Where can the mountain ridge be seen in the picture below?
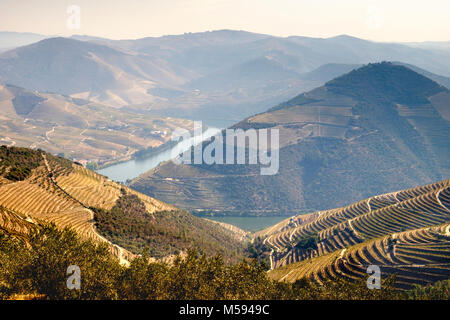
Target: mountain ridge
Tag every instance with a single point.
(135, 71)
(330, 143)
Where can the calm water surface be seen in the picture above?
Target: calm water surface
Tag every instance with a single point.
(133, 168)
(250, 223)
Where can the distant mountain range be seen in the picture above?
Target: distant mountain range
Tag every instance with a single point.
(363, 156)
(10, 40)
(220, 77)
(376, 129)
(434, 45)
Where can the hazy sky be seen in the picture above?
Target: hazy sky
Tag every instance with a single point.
(381, 20)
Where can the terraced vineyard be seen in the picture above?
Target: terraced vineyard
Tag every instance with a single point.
(98, 191)
(353, 137)
(404, 232)
(419, 256)
(40, 198)
(38, 187)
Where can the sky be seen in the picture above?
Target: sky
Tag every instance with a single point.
(380, 20)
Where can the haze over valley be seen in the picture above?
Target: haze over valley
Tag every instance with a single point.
(224, 150)
(379, 128)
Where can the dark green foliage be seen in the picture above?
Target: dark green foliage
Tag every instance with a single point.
(385, 83)
(438, 291)
(59, 165)
(259, 251)
(197, 277)
(39, 267)
(129, 225)
(377, 83)
(92, 165)
(18, 174)
(16, 163)
(308, 243)
(340, 289)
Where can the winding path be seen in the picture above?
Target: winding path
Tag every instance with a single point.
(439, 200)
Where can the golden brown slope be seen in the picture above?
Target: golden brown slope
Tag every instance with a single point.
(376, 129)
(420, 256)
(78, 128)
(40, 187)
(367, 219)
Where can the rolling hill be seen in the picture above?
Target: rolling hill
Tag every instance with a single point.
(10, 40)
(216, 60)
(207, 52)
(85, 70)
(376, 129)
(445, 81)
(37, 187)
(220, 77)
(406, 233)
(77, 128)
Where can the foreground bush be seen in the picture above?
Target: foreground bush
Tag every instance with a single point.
(38, 266)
